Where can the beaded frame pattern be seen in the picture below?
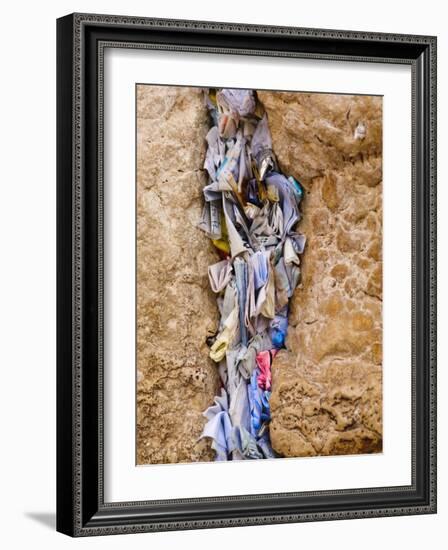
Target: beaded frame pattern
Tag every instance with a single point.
(79, 21)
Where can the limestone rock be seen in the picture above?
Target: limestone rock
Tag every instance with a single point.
(176, 381)
(327, 385)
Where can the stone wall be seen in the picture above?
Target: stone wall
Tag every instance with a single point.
(176, 381)
(327, 387)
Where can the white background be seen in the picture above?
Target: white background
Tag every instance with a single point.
(123, 480)
(27, 233)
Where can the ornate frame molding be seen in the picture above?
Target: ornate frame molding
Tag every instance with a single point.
(82, 39)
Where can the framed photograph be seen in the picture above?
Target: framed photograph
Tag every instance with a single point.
(246, 274)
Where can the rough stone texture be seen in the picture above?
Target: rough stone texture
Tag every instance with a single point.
(327, 387)
(176, 381)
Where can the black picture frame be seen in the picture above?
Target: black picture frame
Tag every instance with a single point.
(81, 39)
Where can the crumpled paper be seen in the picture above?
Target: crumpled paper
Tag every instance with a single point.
(251, 212)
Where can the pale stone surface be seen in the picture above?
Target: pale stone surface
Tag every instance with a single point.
(327, 386)
(176, 381)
